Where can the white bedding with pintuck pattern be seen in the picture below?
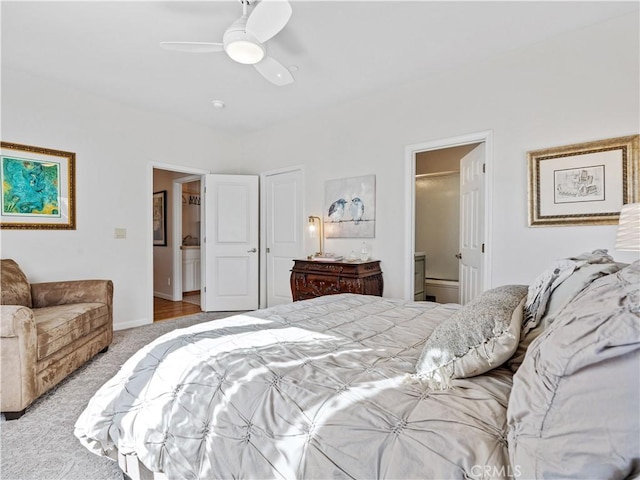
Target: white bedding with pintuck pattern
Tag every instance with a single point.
(313, 389)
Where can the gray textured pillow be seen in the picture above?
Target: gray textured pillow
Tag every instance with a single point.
(477, 338)
(573, 410)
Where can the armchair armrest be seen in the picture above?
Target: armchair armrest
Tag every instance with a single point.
(18, 347)
(16, 321)
(50, 294)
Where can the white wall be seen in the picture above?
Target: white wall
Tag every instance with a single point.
(577, 87)
(574, 88)
(114, 148)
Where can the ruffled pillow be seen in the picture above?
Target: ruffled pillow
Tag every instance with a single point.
(561, 286)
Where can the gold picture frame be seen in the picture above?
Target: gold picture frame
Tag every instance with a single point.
(38, 188)
(584, 183)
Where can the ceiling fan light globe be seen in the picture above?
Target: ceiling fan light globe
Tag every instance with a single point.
(245, 51)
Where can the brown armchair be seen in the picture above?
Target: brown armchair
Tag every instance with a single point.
(47, 330)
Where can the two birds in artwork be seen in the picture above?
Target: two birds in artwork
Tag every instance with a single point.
(356, 210)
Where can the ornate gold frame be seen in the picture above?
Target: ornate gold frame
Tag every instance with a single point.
(67, 161)
(627, 168)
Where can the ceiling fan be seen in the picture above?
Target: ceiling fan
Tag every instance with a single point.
(244, 40)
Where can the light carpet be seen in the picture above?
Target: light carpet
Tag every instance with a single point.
(41, 445)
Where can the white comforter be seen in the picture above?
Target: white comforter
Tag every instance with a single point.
(313, 389)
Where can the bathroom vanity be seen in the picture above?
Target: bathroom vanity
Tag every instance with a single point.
(190, 268)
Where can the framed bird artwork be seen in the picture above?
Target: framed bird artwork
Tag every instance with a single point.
(350, 207)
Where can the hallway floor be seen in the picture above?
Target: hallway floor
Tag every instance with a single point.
(166, 309)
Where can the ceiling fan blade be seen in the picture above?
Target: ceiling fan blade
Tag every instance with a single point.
(192, 47)
(274, 71)
(268, 18)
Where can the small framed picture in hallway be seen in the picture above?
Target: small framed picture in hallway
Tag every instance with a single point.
(160, 219)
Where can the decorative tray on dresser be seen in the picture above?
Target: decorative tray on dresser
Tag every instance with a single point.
(314, 278)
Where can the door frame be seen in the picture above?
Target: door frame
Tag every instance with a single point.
(149, 222)
(263, 224)
(177, 233)
(486, 139)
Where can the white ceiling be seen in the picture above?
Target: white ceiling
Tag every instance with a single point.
(343, 49)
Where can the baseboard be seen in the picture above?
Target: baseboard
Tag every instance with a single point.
(163, 295)
(132, 324)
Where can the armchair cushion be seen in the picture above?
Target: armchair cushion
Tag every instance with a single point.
(49, 294)
(59, 326)
(15, 288)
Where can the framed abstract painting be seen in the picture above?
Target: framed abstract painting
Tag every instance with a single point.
(38, 188)
(583, 184)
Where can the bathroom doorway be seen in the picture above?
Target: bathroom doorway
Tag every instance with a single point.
(449, 216)
(437, 203)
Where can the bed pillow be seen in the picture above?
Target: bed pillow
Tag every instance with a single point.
(540, 290)
(478, 337)
(561, 296)
(573, 409)
(572, 286)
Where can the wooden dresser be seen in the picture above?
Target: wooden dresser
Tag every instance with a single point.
(310, 279)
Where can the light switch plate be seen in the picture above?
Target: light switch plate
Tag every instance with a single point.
(120, 233)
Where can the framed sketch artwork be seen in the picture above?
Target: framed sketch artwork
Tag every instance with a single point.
(350, 207)
(583, 184)
(38, 188)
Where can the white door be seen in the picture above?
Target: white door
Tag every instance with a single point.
(471, 224)
(283, 232)
(230, 242)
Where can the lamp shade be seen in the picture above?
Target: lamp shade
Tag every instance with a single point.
(628, 237)
(312, 229)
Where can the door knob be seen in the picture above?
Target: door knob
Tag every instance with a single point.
(458, 256)
(253, 250)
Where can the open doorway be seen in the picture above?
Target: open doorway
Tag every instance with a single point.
(229, 218)
(437, 203)
(168, 262)
(447, 225)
